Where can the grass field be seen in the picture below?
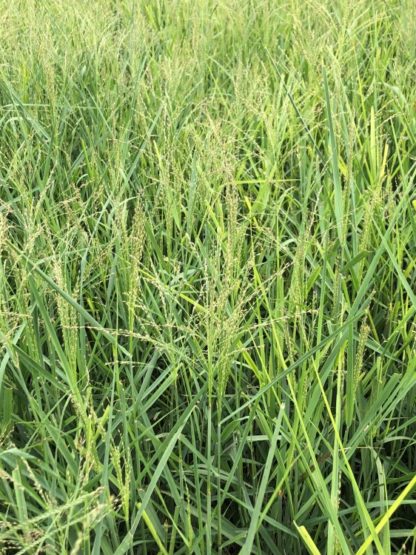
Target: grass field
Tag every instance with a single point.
(207, 277)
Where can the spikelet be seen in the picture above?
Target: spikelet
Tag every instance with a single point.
(337, 291)
(4, 320)
(67, 317)
(226, 344)
(3, 230)
(38, 486)
(228, 322)
(231, 256)
(135, 244)
(123, 478)
(364, 333)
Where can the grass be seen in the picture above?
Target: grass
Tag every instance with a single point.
(208, 277)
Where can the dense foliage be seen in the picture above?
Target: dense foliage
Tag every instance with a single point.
(207, 278)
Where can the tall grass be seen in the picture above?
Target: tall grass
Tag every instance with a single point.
(207, 277)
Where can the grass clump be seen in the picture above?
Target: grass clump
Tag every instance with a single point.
(207, 278)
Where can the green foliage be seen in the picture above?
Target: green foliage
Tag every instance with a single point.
(207, 277)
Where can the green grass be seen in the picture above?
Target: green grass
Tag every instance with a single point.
(207, 277)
